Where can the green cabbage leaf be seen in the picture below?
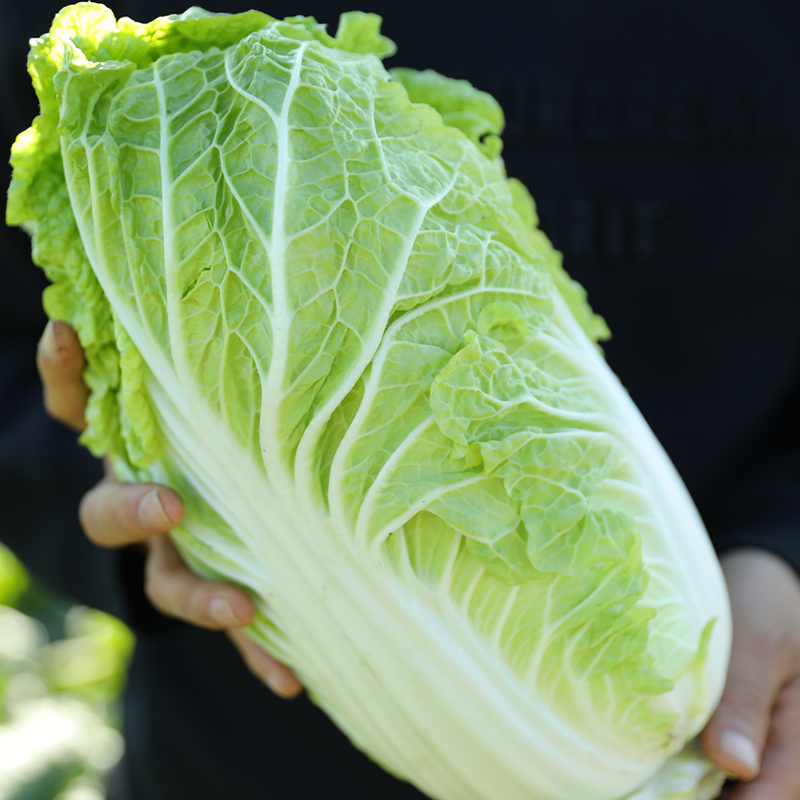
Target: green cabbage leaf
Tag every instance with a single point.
(313, 302)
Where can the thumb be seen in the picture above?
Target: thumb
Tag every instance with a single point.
(735, 735)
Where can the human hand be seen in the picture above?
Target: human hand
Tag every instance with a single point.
(755, 732)
(115, 514)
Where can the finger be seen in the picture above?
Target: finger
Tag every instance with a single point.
(60, 361)
(735, 735)
(177, 592)
(779, 778)
(278, 677)
(115, 514)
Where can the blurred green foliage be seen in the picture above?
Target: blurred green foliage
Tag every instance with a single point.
(13, 578)
(62, 668)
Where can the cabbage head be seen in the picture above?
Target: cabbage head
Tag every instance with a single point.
(313, 303)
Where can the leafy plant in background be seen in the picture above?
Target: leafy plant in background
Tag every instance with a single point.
(312, 301)
(61, 672)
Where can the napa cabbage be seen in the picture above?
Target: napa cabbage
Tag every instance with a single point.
(312, 301)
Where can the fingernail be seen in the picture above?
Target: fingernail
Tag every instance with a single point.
(151, 511)
(741, 749)
(57, 328)
(280, 683)
(49, 345)
(220, 610)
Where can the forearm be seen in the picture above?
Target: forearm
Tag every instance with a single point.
(763, 509)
